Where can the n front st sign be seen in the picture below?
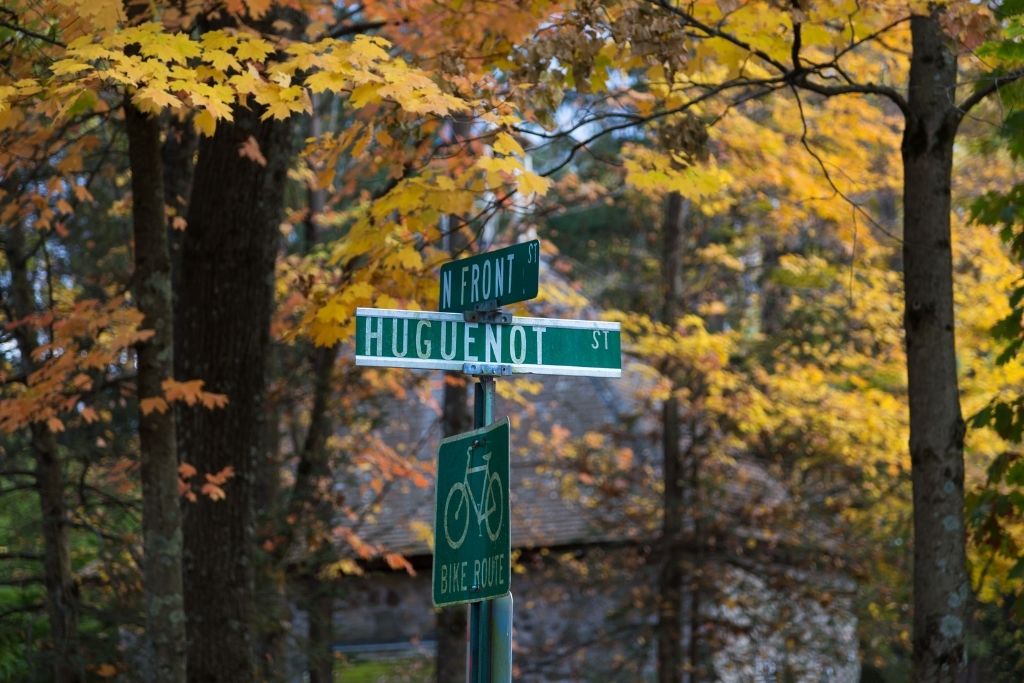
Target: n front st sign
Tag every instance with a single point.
(490, 280)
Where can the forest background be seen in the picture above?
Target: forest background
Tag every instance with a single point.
(790, 207)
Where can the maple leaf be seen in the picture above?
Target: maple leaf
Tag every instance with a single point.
(251, 150)
(397, 561)
(343, 567)
(106, 670)
(253, 48)
(186, 471)
(204, 123)
(506, 144)
(191, 392)
(152, 99)
(213, 492)
(148, 405)
(529, 183)
(213, 488)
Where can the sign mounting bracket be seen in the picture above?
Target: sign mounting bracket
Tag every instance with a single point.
(487, 369)
(487, 312)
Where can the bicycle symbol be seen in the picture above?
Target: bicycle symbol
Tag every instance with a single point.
(489, 503)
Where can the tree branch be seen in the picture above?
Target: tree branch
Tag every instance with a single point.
(797, 75)
(992, 86)
(828, 176)
(28, 32)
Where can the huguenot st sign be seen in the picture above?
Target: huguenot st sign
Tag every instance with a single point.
(446, 341)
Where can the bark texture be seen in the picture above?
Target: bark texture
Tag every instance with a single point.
(222, 336)
(941, 588)
(161, 513)
(62, 600)
(177, 155)
(670, 581)
(450, 664)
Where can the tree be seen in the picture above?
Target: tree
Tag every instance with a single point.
(161, 518)
(814, 58)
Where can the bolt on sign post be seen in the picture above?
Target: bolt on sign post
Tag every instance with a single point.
(472, 514)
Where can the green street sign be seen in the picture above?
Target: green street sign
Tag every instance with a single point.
(444, 341)
(498, 277)
(472, 543)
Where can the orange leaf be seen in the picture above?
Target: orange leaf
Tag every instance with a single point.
(148, 405)
(396, 561)
(251, 150)
(221, 477)
(186, 471)
(106, 670)
(55, 424)
(213, 492)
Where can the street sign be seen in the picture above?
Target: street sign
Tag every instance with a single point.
(445, 341)
(472, 543)
(497, 278)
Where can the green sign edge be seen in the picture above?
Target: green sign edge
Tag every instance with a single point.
(433, 558)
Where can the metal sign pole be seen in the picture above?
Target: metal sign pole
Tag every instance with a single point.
(480, 612)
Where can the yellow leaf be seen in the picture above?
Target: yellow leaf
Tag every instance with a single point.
(506, 144)
(365, 94)
(204, 123)
(153, 99)
(529, 182)
(253, 48)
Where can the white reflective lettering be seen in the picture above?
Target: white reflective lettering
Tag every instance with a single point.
(520, 355)
(378, 335)
(446, 354)
(467, 339)
(422, 345)
(486, 285)
(540, 344)
(493, 344)
(510, 258)
(446, 289)
(395, 336)
(462, 288)
(499, 279)
(474, 289)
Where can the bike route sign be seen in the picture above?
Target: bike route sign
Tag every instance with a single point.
(472, 543)
(499, 277)
(445, 341)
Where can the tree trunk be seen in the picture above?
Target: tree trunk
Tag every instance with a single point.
(670, 582)
(161, 513)
(450, 664)
(177, 155)
(320, 610)
(223, 337)
(62, 601)
(941, 588)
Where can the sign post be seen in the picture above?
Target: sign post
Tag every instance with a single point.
(472, 514)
